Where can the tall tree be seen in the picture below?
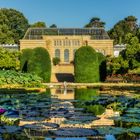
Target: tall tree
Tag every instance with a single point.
(53, 26)
(13, 25)
(39, 24)
(95, 22)
(123, 27)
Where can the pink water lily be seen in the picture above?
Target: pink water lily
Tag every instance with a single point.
(2, 111)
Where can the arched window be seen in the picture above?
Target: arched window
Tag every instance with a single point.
(66, 55)
(57, 53)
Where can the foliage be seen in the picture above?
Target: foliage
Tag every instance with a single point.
(9, 59)
(9, 121)
(53, 26)
(24, 58)
(123, 27)
(56, 61)
(39, 24)
(95, 22)
(128, 60)
(23, 79)
(86, 66)
(13, 26)
(117, 65)
(132, 52)
(40, 63)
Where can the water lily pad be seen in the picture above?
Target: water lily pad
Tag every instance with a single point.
(111, 130)
(135, 130)
(12, 129)
(75, 132)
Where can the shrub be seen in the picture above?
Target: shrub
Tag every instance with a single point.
(9, 59)
(24, 59)
(56, 61)
(86, 65)
(40, 63)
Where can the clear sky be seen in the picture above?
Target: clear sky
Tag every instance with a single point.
(74, 13)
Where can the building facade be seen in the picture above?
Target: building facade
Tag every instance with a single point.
(63, 43)
(118, 48)
(12, 47)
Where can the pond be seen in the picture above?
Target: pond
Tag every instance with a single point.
(73, 114)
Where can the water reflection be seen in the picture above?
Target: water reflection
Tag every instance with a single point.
(71, 113)
(63, 94)
(67, 139)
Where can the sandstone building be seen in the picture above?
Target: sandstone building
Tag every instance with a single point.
(63, 43)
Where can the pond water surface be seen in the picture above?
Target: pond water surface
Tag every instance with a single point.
(70, 114)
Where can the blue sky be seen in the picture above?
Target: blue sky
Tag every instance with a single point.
(74, 13)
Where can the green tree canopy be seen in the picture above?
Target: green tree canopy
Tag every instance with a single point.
(132, 52)
(39, 24)
(123, 27)
(95, 22)
(128, 60)
(117, 65)
(13, 26)
(86, 65)
(53, 26)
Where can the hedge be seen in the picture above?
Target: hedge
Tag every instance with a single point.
(86, 65)
(24, 58)
(40, 63)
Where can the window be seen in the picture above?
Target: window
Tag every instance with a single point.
(69, 43)
(57, 53)
(73, 42)
(66, 55)
(64, 42)
(78, 43)
(60, 43)
(55, 43)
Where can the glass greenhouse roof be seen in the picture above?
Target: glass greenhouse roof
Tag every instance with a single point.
(37, 33)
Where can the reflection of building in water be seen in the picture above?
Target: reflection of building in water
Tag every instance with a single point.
(63, 93)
